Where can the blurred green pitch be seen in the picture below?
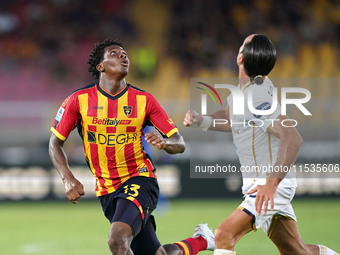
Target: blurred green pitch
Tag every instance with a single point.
(61, 228)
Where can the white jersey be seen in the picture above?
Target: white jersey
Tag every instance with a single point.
(256, 147)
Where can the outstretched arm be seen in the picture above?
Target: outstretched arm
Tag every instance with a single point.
(73, 188)
(172, 145)
(197, 121)
(290, 143)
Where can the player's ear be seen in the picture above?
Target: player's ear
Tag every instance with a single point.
(100, 67)
(240, 59)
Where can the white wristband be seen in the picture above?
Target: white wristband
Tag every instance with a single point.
(223, 252)
(207, 120)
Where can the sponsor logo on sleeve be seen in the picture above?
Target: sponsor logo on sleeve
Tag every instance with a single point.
(63, 105)
(60, 114)
(261, 107)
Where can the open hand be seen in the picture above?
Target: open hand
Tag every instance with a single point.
(264, 194)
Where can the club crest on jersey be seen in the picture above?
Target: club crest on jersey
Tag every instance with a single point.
(127, 110)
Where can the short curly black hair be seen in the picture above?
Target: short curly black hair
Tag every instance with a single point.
(97, 55)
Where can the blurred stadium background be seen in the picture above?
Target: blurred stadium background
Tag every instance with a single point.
(44, 47)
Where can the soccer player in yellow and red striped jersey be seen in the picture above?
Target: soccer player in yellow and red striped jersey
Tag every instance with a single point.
(110, 116)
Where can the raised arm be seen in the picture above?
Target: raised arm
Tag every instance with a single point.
(290, 143)
(73, 188)
(172, 145)
(197, 121)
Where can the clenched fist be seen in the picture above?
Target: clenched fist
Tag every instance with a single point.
(155, 139)
(192, 119)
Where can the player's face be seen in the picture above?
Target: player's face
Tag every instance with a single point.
(115, 60)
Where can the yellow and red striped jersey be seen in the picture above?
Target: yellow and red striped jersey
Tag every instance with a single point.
(111, 127)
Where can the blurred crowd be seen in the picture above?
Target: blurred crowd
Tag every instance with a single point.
(208, 34)
(45, 44)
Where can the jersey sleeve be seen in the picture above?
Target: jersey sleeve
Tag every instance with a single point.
(262, 100)
(159, 118)
(66, 118)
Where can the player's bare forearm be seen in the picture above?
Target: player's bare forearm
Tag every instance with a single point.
(59, 158)
(73, 188)
(290, 143)
(172, 145)
(222, 116)
(219, 120)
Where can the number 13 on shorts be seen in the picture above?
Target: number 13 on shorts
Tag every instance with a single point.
(132, 190)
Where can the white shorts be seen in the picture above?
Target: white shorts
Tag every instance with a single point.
(282, 208)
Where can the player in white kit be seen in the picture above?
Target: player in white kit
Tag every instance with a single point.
(262, 143)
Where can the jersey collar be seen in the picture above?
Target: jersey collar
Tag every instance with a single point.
(115, 96)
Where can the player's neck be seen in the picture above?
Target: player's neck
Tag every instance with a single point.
(243, 77)
(112, 86)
